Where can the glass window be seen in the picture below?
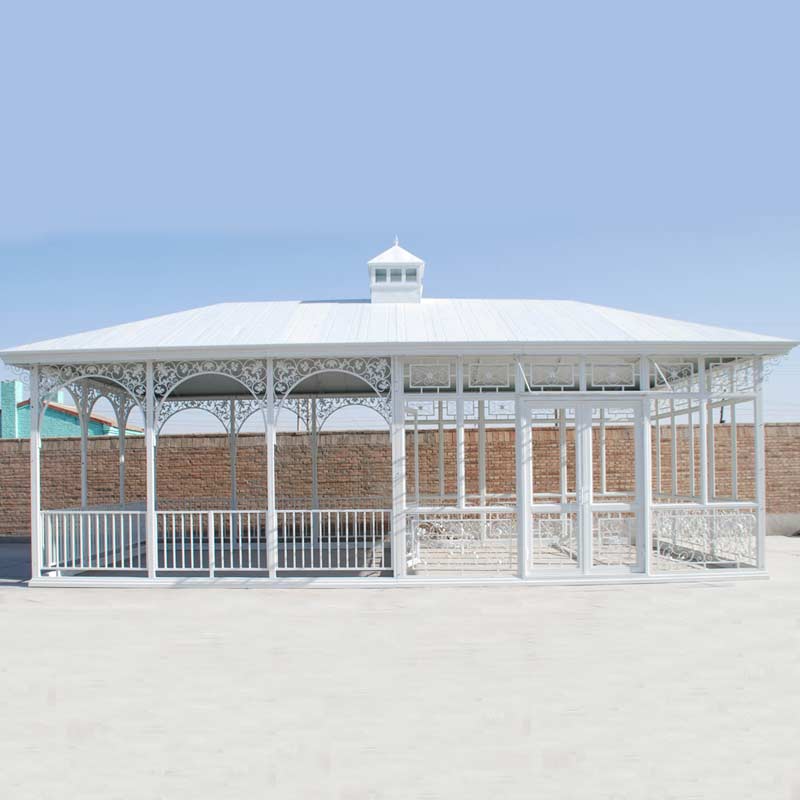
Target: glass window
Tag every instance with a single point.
(396, 275)
(411, 274)
(380, 276)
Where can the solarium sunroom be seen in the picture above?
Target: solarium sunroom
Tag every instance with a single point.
(526, 440)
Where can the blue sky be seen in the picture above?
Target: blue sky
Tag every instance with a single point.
(158, 156)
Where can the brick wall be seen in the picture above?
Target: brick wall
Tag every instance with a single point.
(357, 465)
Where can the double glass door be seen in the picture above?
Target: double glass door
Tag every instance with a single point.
(583, 460)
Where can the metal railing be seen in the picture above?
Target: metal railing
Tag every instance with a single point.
(335, 539)
(93, 540)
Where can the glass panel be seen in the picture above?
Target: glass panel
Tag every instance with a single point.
(614, 537)
(411, 274)
(675, 450)
(613, 455)
(396, 275)
(553, 533)
(615, 529)
(489, 452)
(380, 276)
(431, 453)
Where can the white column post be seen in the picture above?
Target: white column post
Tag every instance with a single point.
(272, 512)
(35, 445)
(122, 412)
(523, 451)
(645, 471)
(440, 405)
(398, 471)
(314, 476)
(83, 418)
(232, 450)
(461, 480)
(482, 450)
(703, 437)
(761, 465)
(416, 457)
(583, 482)
(150, 453)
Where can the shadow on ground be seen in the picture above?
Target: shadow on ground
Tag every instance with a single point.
(15, 562)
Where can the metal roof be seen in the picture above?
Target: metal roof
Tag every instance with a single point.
(430, 326)
(396, 255)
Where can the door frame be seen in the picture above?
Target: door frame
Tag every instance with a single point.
(584, 504)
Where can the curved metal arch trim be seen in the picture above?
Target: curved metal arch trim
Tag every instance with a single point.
(385, 415)
(374, 371)
(163, 398)
(177, 411)
(249, 413)
(47, 397)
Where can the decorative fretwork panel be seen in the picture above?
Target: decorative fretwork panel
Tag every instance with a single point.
(543, 375)
(673, 374)
(221, 409)
(489, 375)
(326, 407)
(462, 543)
(614, 537)
(429, 412)
(704, 537)
(431, 376)
(129, 375)
(616, 376)
(251, 373)
(730, 376)
(553, 541)
(232, 414)
(376, 372)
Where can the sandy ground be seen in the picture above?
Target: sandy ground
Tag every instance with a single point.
(680, 691)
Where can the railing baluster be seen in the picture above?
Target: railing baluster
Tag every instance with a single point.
(191, 540)
(211, 536)
(183, 540)
(249, 544)
(230, 540)
(174, 536)
(80, 538)
(338, 539)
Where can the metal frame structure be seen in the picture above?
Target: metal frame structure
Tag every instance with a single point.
(668, 529)
(609, 418)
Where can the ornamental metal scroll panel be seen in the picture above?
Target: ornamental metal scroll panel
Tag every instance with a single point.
(488, 375)
(500, 410)
(614, 414)
(431, 375)
(553, 541)
(614, 536)
(551, 376)
(129, 375)
(376, 371)
(726, 376)
(428, 411)
(703, 538)
(619, 376)
(244, 408)
(251, 373)
(673, 375)
(221, 409)
(462, 543)
(328, 406)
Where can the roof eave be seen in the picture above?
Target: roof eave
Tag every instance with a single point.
(757, 348)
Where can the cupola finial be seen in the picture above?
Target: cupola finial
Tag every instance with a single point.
(396, 240)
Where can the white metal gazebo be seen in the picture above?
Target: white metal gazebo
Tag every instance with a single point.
(635, 443)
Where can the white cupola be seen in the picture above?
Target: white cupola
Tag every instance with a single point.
(395, 276)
